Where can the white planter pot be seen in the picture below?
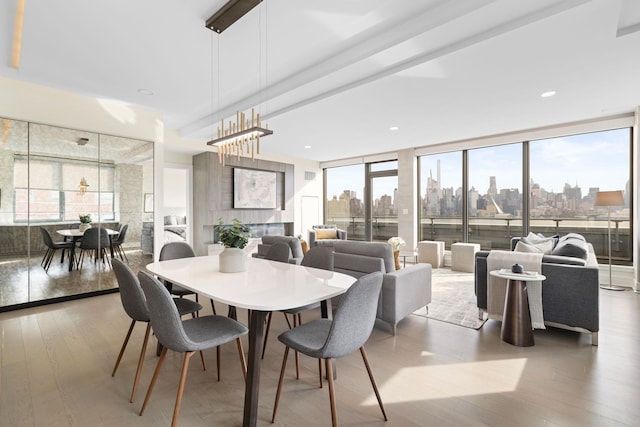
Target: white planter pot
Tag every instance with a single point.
(233, 260)
(84, 227)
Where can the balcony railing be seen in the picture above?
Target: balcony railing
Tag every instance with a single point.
(496, 233)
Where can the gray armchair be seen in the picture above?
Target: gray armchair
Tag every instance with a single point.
(325, 235)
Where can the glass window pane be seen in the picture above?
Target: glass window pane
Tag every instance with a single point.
(495, 195)
(384, 221)
(345, 194)
(566, 174)
(384, 166)
(441, 198)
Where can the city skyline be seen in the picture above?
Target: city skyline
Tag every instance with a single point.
(586, 160)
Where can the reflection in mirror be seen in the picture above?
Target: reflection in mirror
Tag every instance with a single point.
(55, 183)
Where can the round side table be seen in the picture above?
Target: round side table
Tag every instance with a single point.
(516, 318)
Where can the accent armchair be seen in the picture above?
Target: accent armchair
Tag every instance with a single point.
(325, 235)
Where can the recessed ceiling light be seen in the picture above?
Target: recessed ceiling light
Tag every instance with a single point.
(145, 92)
(393, 128)
(548, 94)
(307, 146)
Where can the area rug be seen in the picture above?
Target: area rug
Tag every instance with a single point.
(453, 299)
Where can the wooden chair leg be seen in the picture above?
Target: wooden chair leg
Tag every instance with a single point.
(204, 365)
(163, 354)
(243, 362)
(373, 381)
(284, 365)
(140, 362)
(320, 371)
(124, 345)
(183, 378)
(332, 396)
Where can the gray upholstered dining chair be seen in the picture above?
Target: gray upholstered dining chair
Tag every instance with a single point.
(279, 251)
(317, 257)
(176, 250)
(135, 305)
(118, 241)
(187, 336)
(52, 247)
(330, 339)
(95, 240)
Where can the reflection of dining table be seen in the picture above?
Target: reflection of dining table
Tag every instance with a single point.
(266, 286)
(75, 235)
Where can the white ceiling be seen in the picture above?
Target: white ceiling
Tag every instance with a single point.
(336, 74)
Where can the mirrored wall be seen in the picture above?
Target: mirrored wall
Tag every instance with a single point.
(50, 179)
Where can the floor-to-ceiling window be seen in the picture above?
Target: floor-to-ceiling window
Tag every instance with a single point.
(495, 195)
(344, 196)
(567, 172)
(381, 217)
(362, 199)
(545, 186)
(440, 199)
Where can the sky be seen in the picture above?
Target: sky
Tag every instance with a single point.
(598, 159)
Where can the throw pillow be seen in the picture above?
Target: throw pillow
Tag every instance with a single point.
(326, 233)
(573, 247)
(534, 237)
(170, 220)
(544, 247)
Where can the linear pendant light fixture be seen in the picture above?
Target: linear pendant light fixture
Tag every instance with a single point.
(17, 35)
(241, 137)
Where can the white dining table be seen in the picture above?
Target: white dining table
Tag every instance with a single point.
(264, 287)
(76, 234)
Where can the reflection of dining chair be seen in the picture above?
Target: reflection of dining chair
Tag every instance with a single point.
(52, 247)
(317, 257)
(117, 243)
(330, 339)
(187, 336)
(279, 251)
(95, 240)
(135, 305)
(176, 250)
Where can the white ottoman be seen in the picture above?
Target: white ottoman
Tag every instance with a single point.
(463, 256)
(431, 252)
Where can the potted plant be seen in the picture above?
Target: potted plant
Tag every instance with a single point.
(234, 237)
(85, 222)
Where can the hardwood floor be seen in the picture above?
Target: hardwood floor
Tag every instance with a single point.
(56, 362)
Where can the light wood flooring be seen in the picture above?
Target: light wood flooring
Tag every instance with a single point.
(56, 362)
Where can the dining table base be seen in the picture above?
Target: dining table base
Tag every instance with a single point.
(256, 335)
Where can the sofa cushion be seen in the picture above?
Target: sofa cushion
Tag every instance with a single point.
(571, 245)
(356, 265)
(326, 233)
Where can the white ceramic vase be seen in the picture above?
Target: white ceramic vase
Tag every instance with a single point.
(233, 260)
(84, 227)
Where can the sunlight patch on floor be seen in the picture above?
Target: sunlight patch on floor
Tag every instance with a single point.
(454, 380)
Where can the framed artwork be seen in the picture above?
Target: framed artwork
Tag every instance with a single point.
(148, 202)
(254, 189)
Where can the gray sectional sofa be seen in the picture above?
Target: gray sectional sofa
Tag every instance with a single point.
(570, 293)
(403, 291)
